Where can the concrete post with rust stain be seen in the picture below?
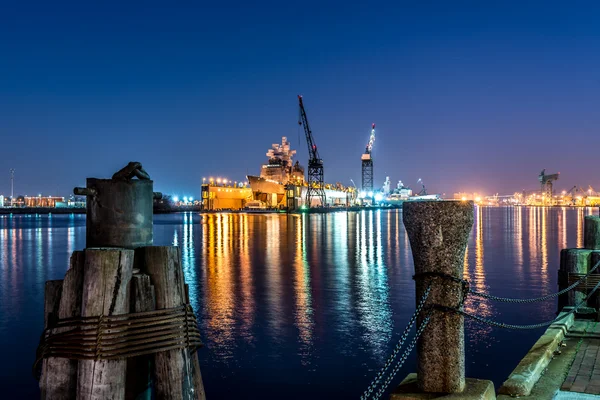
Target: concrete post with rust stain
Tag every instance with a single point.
(438, 233)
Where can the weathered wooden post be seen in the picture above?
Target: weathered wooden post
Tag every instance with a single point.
(177, 371)
(87, 350)
(106, 277)
(60, 374)
(52, 294)
(438, 232)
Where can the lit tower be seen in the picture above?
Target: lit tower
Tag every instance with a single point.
(12, 185)
(367, 164)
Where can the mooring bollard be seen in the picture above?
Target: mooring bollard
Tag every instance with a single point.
(575, 263)
(438, 232)
(591, 237)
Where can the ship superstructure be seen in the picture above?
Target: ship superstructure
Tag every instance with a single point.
(280, 167)
(281, 172)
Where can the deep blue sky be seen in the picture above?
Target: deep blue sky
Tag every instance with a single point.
(466, 95)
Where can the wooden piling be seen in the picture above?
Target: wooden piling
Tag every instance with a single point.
(61, 379)
(52, 294)
(175, 370)
(106, 277)
(139, 369)
(196, 362)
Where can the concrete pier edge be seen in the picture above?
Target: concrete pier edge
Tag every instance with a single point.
(528, 371)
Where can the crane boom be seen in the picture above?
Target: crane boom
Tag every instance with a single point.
(313, 153)
(315, 164)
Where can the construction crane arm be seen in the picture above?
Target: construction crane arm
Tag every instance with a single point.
(371, 140)
(303, 120)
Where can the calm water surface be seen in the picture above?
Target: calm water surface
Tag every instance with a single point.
(300, 306)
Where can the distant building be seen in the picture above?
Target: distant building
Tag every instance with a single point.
(71, 202)
(40, 201)
(225, 197)
(476, 197)
(1, 201)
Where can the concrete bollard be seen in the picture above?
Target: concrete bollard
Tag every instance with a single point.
(438, 233)
(591, 237)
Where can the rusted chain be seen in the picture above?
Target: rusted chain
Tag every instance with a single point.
(582, 278)
(119, 336)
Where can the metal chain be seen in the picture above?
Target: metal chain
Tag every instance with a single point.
(407, 352)
(543, 298)
(398, 346)
(522, 327)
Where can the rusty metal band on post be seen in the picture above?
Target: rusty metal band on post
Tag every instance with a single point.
(119, 336)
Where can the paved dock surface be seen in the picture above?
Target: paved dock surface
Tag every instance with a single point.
(574, 372)
(584, 374)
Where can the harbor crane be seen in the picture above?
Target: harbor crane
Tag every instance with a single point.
(423, 191)
(315, 163)
(367, 164)
(546, 182)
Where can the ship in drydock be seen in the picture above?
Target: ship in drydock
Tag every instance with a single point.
(282, 185)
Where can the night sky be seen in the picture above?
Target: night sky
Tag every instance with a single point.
(468, 96)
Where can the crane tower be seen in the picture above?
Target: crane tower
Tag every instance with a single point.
(367, 164)
(315, 163)
(546, 182)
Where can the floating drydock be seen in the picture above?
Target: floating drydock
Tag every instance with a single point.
(280, 185)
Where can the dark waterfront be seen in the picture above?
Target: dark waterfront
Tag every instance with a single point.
(300, 306)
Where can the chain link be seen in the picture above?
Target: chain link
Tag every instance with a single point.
(543, 298)
(405, 355)
(398, 346)
(520, 327)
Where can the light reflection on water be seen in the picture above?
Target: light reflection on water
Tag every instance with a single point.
(304, 305)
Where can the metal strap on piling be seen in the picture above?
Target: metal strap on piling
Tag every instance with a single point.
(120, 336)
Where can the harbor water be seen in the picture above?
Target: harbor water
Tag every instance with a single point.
(301, 306)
